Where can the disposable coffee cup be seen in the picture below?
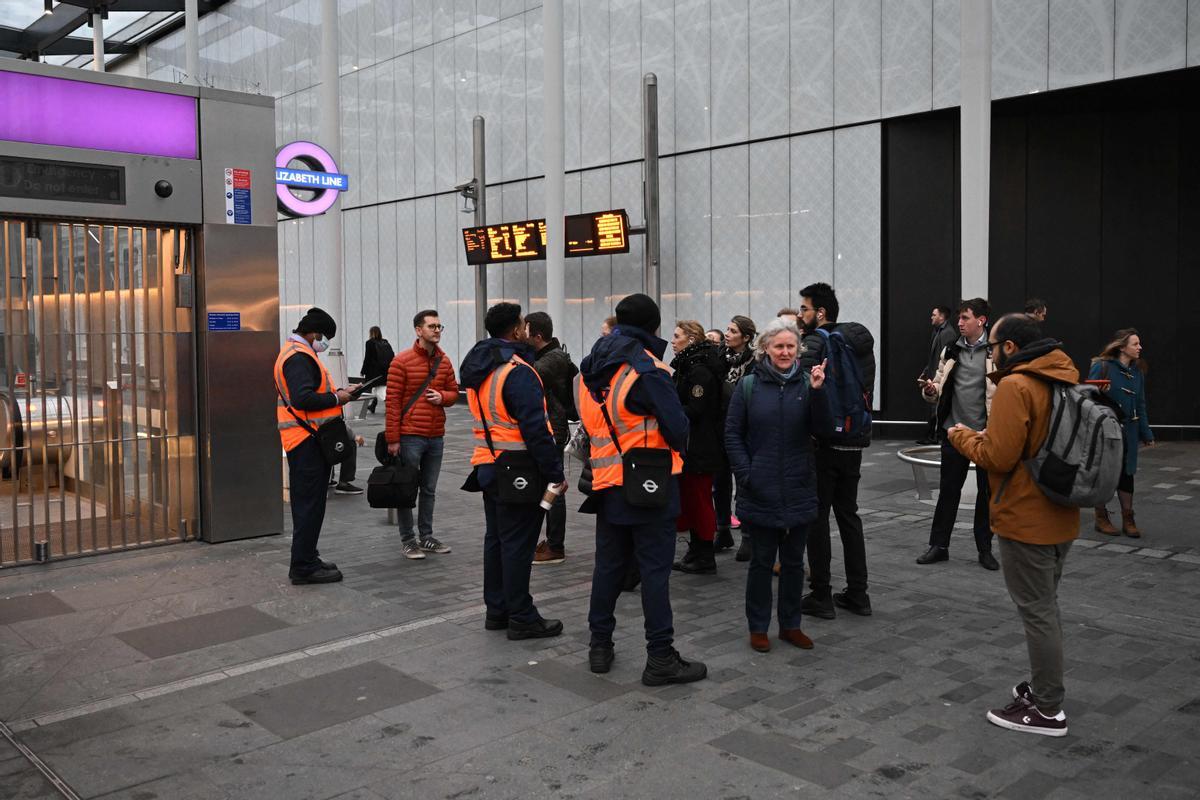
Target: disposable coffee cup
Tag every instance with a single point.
(552, 492)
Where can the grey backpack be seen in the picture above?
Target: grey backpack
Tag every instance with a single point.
(1081, 460)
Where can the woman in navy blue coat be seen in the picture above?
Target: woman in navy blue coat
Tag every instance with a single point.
(1120, 364)
(774, 412)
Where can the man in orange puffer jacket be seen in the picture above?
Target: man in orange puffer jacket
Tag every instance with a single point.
(420, 384)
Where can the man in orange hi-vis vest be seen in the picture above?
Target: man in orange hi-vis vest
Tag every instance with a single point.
(307, 398)
(627, 402)
(512, 430)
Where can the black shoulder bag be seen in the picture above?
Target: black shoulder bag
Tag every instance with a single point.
(333, 437)
(394, 484)
(645, 471)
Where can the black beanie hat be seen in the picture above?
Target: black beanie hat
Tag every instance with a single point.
(639, 311)
(501, 318)
(317, 321)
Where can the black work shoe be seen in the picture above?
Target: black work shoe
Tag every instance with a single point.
(933, 555)
(671, 668)
(491, 623)
(988, 561)
(693, 550)
(724, 538)
(743, 553)
(854, 603)
(817, 605)
(600, 658)
(318, 575)
(328, 565)
(538, 629)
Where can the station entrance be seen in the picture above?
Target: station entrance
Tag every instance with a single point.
(97, 423)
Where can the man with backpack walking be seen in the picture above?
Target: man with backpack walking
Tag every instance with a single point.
(1035, 532)
(849, 350)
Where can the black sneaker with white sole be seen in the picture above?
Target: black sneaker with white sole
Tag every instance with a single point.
(346, 488)
(1021, 715)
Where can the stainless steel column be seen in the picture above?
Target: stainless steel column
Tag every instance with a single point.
(329, 114)
(650, 184)
(975, 133)
(553, 143)
(191, 40)
(479, 152)
(97, 43)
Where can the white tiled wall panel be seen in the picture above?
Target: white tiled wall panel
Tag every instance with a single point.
(744, 225)
(907, 56)
(1020, 31)
(1081, 42)
(1151, 36)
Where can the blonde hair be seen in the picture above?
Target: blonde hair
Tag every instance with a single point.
(1113, 349)
(691, 328)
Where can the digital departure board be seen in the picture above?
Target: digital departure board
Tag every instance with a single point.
(596, 234)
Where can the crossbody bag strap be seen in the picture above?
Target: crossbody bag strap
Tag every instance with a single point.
(611, 428)
(428, 380)
(292, 411)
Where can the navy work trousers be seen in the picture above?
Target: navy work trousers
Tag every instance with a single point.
(508, 544)
(308, 485)
(651, 546)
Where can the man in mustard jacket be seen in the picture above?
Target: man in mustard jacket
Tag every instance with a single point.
(1035, 533)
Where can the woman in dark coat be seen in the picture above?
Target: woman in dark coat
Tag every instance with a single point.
(773, 415)
(1121, 365)
(738, 353)
(377, 358)
(699, 373)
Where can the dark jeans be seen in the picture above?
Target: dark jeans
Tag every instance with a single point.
(348, 468)
(651, 546)
(723, 496)
(556, 522)
(766, 542)
(837, 489)
(1032, 573)
(955, 467)
(424, 453)
(308, 486)
(508, 544)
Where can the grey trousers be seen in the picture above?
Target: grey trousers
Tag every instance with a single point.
(1032, 572)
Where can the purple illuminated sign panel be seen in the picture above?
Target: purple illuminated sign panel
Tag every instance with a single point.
(66, 113)
(322, 179)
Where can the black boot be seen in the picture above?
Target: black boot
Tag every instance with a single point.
(703, 562)
(600, 657)
(671, 668)
(724, 538)
(743, 553)
(818, 604)
(690, 555)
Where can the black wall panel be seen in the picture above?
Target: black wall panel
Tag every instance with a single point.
(1095, 207)
(921, 248)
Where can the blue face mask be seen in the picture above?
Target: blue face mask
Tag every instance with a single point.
(320, 346)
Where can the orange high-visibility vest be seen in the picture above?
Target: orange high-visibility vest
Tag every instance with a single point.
(633, 430)
(291, 432)
(489, 400)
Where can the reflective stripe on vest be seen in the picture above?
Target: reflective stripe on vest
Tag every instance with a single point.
(489, 400)
(291, 432)
(633, 430)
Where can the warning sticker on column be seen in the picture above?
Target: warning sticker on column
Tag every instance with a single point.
(237, 196)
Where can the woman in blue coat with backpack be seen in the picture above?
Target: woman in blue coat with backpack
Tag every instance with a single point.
(774, 412)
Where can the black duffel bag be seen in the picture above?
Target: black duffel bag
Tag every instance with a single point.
(393, 485)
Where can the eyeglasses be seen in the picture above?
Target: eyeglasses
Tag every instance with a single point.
(436, 327)
(990, 345)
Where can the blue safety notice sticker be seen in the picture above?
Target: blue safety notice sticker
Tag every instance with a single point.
(224, 320)
(237, 196)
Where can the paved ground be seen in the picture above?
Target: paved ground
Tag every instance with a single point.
(197, 671)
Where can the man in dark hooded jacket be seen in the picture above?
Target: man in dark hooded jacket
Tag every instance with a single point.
(626, 533)
(516, 421)
(839, 463)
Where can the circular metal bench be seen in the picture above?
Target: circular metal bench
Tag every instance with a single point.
(920, 459)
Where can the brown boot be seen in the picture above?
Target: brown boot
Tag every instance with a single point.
(760, 642)
(1103, 523)
(796, 637)
(1127, 526)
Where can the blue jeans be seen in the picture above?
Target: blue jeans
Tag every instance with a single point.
(789, 543)
(424, 453)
